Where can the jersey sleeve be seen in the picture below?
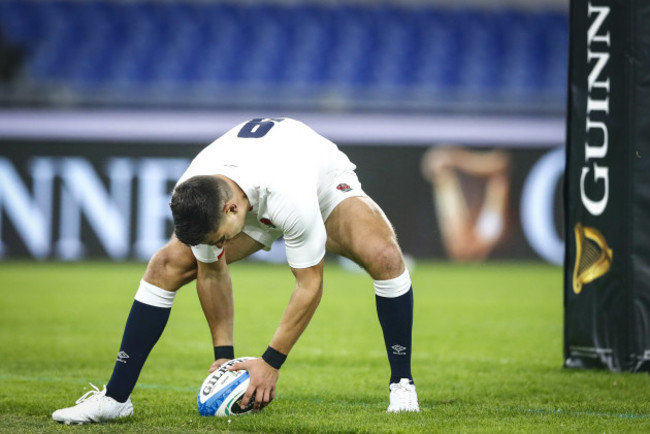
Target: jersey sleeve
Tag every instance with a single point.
(206, 253)
(303, 230)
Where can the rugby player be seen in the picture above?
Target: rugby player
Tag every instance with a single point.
(263, 179)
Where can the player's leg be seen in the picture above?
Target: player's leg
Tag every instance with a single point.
(359, 230)
(169, 269)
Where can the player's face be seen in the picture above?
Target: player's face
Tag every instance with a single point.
(232, 225)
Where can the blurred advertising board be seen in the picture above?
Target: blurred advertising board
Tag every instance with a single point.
(93, 196)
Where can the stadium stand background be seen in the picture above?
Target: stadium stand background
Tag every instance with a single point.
(341, 56)
(103, 103)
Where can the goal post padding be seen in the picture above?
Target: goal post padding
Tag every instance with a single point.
(607, 187)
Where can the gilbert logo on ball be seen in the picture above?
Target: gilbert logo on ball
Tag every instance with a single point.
(222, 391)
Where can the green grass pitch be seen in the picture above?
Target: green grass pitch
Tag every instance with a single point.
(487, 353)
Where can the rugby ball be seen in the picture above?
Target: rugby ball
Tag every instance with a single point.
(222, 391)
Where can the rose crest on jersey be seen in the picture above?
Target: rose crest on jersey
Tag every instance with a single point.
(343, 187)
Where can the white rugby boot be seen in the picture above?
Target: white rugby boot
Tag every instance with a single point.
(403, 397)
(93, 407)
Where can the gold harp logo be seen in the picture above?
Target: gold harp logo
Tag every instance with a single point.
(593, 256)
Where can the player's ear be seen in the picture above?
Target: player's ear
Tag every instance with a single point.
(230, 207)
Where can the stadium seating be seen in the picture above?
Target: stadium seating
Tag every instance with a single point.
(346, 55)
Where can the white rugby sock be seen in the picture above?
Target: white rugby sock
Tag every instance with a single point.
(395, 287)
(154, 296)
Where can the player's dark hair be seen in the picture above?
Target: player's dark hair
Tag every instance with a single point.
(197, 206)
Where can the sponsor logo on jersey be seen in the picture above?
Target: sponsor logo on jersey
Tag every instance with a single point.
(343, 187)
(267, 222)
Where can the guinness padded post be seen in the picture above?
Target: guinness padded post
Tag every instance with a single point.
(607, 187)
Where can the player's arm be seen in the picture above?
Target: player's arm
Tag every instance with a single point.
(214, 288)
(298, 210)
(302, 305)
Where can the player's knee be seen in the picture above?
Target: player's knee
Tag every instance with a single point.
(170, 268)
(385, 261)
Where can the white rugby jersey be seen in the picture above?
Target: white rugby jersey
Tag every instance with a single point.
(280, 164)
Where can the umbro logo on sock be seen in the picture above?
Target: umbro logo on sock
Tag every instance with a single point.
(122, 356)
(399, 350)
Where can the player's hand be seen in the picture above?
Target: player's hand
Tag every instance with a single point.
(263, 381)
(216, 364)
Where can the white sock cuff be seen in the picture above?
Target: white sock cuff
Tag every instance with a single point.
(154, 296)
(395, 287)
